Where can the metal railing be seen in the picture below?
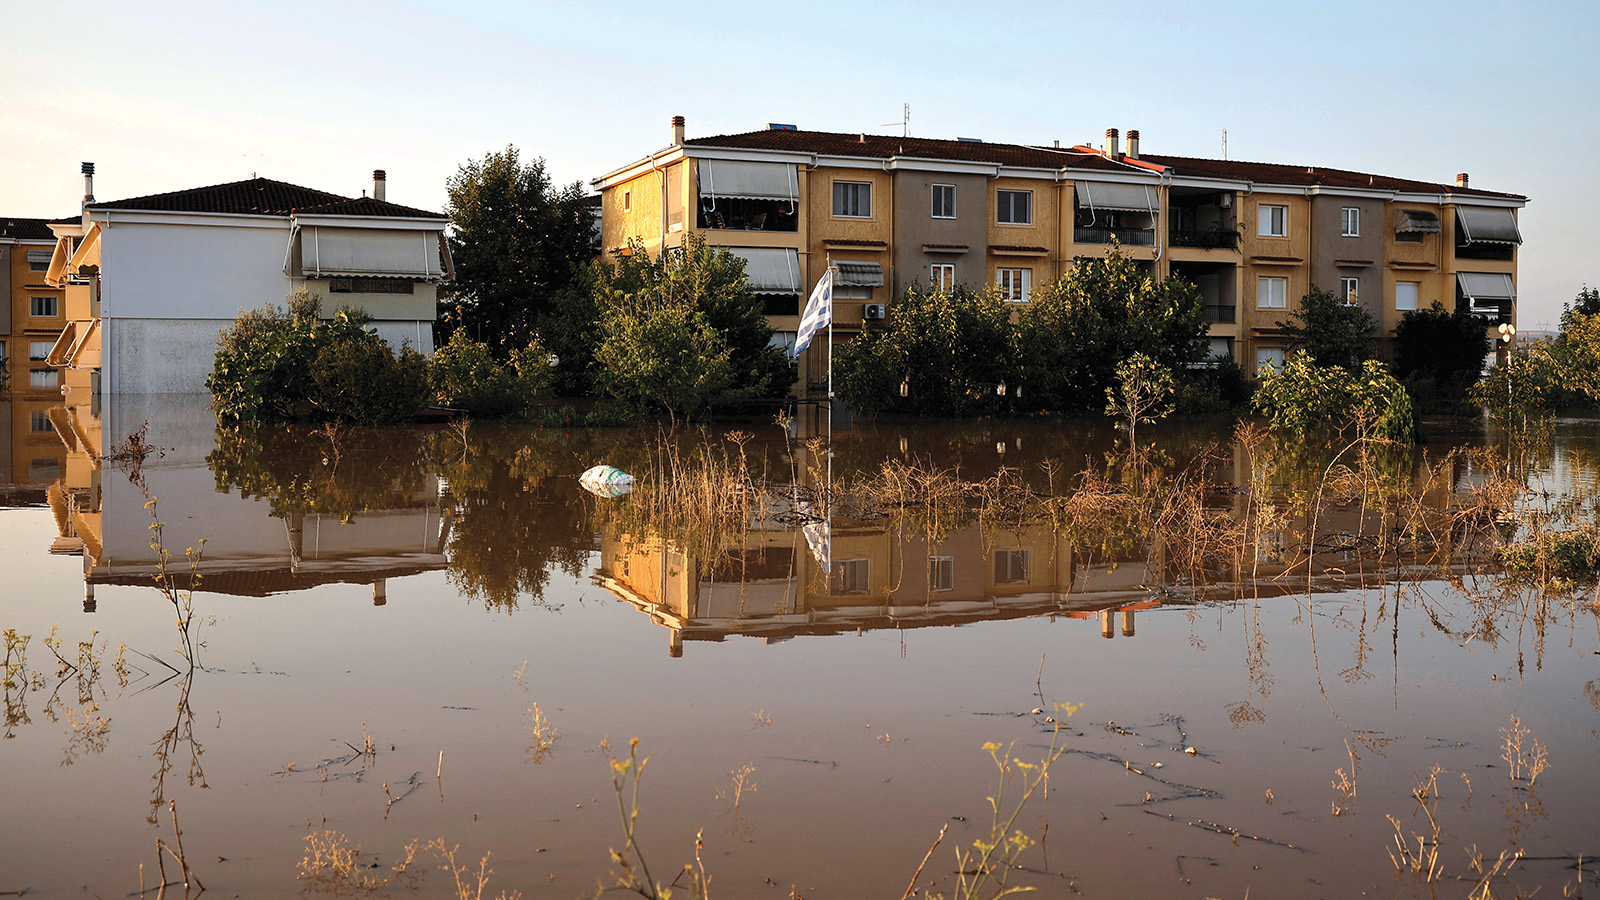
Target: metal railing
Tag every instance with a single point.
(1220, 313)
(1207, 239)
(1129, 237)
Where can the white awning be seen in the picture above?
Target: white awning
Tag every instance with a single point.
(56, 276)
(371, 252)
(1416, 221)
(1491, 287)
(39, 255)
(88, 253)
(770, 270)
(855, 273)
(1124, 197)
(749, 180)
(1487, 225)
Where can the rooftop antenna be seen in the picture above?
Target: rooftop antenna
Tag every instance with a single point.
(1224, 143)
(904, 123)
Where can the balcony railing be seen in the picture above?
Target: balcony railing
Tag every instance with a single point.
(1130, 237)
(1219, 313)
(1207, 239)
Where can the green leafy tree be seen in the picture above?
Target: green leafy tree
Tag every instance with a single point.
(518, 242)
(1331, 331)
(951, 350)
(662, 353)
(679, 330)
(1313, 401)
(1076, 331)
(1439, 354)
(1143, 393)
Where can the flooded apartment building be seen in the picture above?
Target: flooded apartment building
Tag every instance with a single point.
(891, 212)
(30, 321)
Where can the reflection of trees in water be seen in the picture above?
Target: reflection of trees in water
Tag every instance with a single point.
(514, 523)
(331, 471)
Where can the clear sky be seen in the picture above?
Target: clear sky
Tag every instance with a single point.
(170, 95)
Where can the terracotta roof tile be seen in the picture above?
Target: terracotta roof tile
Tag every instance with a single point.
(874, 146)
(1309, 176)
(263, 197)
(1018, 248)
(18, 229)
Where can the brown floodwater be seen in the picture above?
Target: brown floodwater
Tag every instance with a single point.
(460, 601)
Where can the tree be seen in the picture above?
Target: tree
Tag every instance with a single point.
(1143, 393)
(711, 281)
(1332, 332)
(1439, 354)
(950, 350)
(465, 375)
(1077, 330)
(517, 241)
(682, 329)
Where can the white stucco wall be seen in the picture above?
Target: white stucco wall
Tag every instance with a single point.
(159, 356)
(210, 271)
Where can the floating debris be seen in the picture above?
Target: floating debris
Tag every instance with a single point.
(606, 481)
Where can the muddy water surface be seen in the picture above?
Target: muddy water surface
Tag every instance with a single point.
(454, 597)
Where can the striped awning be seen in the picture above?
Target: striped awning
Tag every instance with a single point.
(1486, 287)
(748, 180)
(856, 273)
(770, 270)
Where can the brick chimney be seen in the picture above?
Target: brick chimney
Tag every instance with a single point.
(380, 184)
(1133, 143)
(1461, 179)
(1113, 150)
(88, 183)
(677, 131)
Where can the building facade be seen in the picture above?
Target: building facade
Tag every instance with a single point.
(32, 315)
(133, 327)
(893, 212)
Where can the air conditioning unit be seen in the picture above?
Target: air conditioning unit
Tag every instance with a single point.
(1224, 200)
(874, 312)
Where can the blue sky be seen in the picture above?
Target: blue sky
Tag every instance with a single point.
(169, 95)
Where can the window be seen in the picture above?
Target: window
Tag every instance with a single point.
(1350, 221)
(39, 422)
(850, 576)
(1011, 567)
(1014, 284)
(1014, 207)
(852, 199)
(627, 199)
(942, 277)
(1405, 295)
(1272, 292)
(942, 573)
(38, 350)
(39, 260)
(1408, 237)
(944, 201)
(42, 307)
(1269, 356)
(1350, 290)
(41, 379)
(1272, 221)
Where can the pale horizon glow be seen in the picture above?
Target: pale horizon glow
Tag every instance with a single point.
(164, 96)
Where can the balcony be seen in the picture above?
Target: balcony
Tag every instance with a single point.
(1206, 239)
(742, 214)
(1129, 237)
(1220, 314)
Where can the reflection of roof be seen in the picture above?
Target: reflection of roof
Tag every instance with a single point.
(264, 197)
(266, 582)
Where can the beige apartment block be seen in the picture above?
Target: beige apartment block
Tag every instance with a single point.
(891, 212)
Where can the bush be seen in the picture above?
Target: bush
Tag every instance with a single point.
(1218, 390)
(1439, 355)
(1311, 400)
(950, 349)
(276, 365)
(465, 375)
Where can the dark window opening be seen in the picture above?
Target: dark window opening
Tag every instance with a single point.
(742, 214)
(370, 286)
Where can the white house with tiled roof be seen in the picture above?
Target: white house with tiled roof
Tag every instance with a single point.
(151, 281)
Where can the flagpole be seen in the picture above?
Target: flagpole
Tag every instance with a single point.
(829, 259)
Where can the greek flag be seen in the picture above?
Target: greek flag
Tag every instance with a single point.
(819, 312)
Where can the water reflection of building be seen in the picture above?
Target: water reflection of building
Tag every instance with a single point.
(772, 586)
(248, 551)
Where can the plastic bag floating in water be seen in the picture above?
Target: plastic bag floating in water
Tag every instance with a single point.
(606, 481)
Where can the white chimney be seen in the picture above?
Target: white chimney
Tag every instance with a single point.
(677, 131)
(1113, 149)
(1133, 143)
(88, 183)
(380, 184)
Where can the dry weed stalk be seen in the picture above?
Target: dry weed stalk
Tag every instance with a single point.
(625, 780)
(1525, 756)
(542, 733)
